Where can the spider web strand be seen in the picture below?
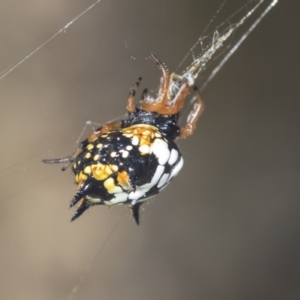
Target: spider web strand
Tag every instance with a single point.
(199, 63)
(10, 69)
(238, 43)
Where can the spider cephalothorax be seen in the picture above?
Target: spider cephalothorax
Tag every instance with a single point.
(129, 161)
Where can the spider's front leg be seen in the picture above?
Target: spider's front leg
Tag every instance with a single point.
(114, 125)
(193, 116)
(162, 97)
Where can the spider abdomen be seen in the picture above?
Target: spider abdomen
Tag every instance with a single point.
(126, 165)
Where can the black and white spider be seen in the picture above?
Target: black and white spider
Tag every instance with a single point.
(129, 161)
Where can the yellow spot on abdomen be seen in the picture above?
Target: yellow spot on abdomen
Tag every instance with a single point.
(144, 149)
(80, 178)
(115, 168)
(87, 170)
(110, 186)
(125, 153)
(90, 146)
(101, 172)
(96, 157)
(135, 140)
(113, 154)
(123, 180)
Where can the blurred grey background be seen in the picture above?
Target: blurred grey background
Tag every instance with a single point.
(228, 226)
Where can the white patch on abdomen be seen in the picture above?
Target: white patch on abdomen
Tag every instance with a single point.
(173, 157)
(161, 150)
(177, 168)
(119, 198)
(163, 180)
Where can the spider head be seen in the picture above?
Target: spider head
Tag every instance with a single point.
(167, 124)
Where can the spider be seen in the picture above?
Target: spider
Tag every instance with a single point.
(129, 161)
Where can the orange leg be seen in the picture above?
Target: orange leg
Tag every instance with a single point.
(162, 96)
(102, 130)
(164, 86)
(177, 102)
(193, 116)
(163, 104)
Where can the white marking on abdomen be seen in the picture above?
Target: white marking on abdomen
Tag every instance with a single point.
(118, 198)
(160, 149)
(163, 180)
(177, 168)
(173, 157)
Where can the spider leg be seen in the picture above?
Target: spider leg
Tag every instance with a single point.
(69, 159)
(144, 94)
(165, 104)
(56, 160)
(164, 86)
(193, 116)
(102, 130)
(176, 104)
(130, 101)
(162, 96)
(180, 97)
